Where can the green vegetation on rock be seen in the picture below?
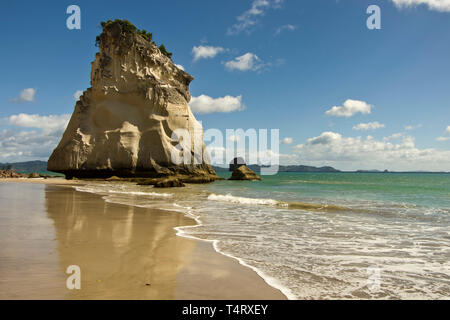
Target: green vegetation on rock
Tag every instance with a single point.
(127, 27)
(165, 52)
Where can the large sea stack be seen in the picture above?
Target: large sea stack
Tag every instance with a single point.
(122, 126)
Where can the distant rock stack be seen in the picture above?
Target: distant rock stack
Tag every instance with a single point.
(122, 126)
(236, 163)
(244, 173)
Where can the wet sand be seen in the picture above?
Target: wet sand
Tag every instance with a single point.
(52, 181)
(124, 252)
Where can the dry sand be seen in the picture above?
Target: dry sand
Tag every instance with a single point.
(124, 252)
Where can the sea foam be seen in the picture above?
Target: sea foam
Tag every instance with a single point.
(242, 200)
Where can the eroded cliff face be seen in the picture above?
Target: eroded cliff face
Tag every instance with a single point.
(123, 124)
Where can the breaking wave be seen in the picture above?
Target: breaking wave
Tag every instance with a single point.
(273, 202)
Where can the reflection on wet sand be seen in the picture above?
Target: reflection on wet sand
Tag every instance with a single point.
(29, 266)
(124, 252)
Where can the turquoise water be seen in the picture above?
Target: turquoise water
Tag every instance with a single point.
(322, 235)
(421, 189)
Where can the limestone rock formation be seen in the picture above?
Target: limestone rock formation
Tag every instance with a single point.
(244, 173)
(122, 126)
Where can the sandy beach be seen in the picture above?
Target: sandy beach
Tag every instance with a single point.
(124, 252)
(49, 181)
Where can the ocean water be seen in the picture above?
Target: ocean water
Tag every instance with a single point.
(320, 235)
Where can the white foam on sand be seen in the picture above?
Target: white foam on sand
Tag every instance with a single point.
(188, 211)
(271, 281)
(242, 200)
(138, 193)
(91, 189)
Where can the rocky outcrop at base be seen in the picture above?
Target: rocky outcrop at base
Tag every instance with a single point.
(244, 173)
(5, 174)
(11, 174)
(169, 183)
(182, 178)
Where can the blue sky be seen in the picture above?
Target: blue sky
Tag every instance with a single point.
(282, 63)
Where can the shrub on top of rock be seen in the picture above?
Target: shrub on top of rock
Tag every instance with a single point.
(127, 27)
(165, 52)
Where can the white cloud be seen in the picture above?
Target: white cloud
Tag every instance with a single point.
(441, 139)
(350, 153)
(179, 66)
(287, 140)
(47, 123)
(27, 95)
(205, 104)
(77, 95)
(411, 127)
(246, 62)
(369, 126)
(438, 5)
(287, 27)
(350, 108)
(247, 20)
(394, 136)
(206, 52)
(43, 134)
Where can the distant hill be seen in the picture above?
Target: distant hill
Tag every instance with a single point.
(28, 167)
(41, 167)
(291, 168)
